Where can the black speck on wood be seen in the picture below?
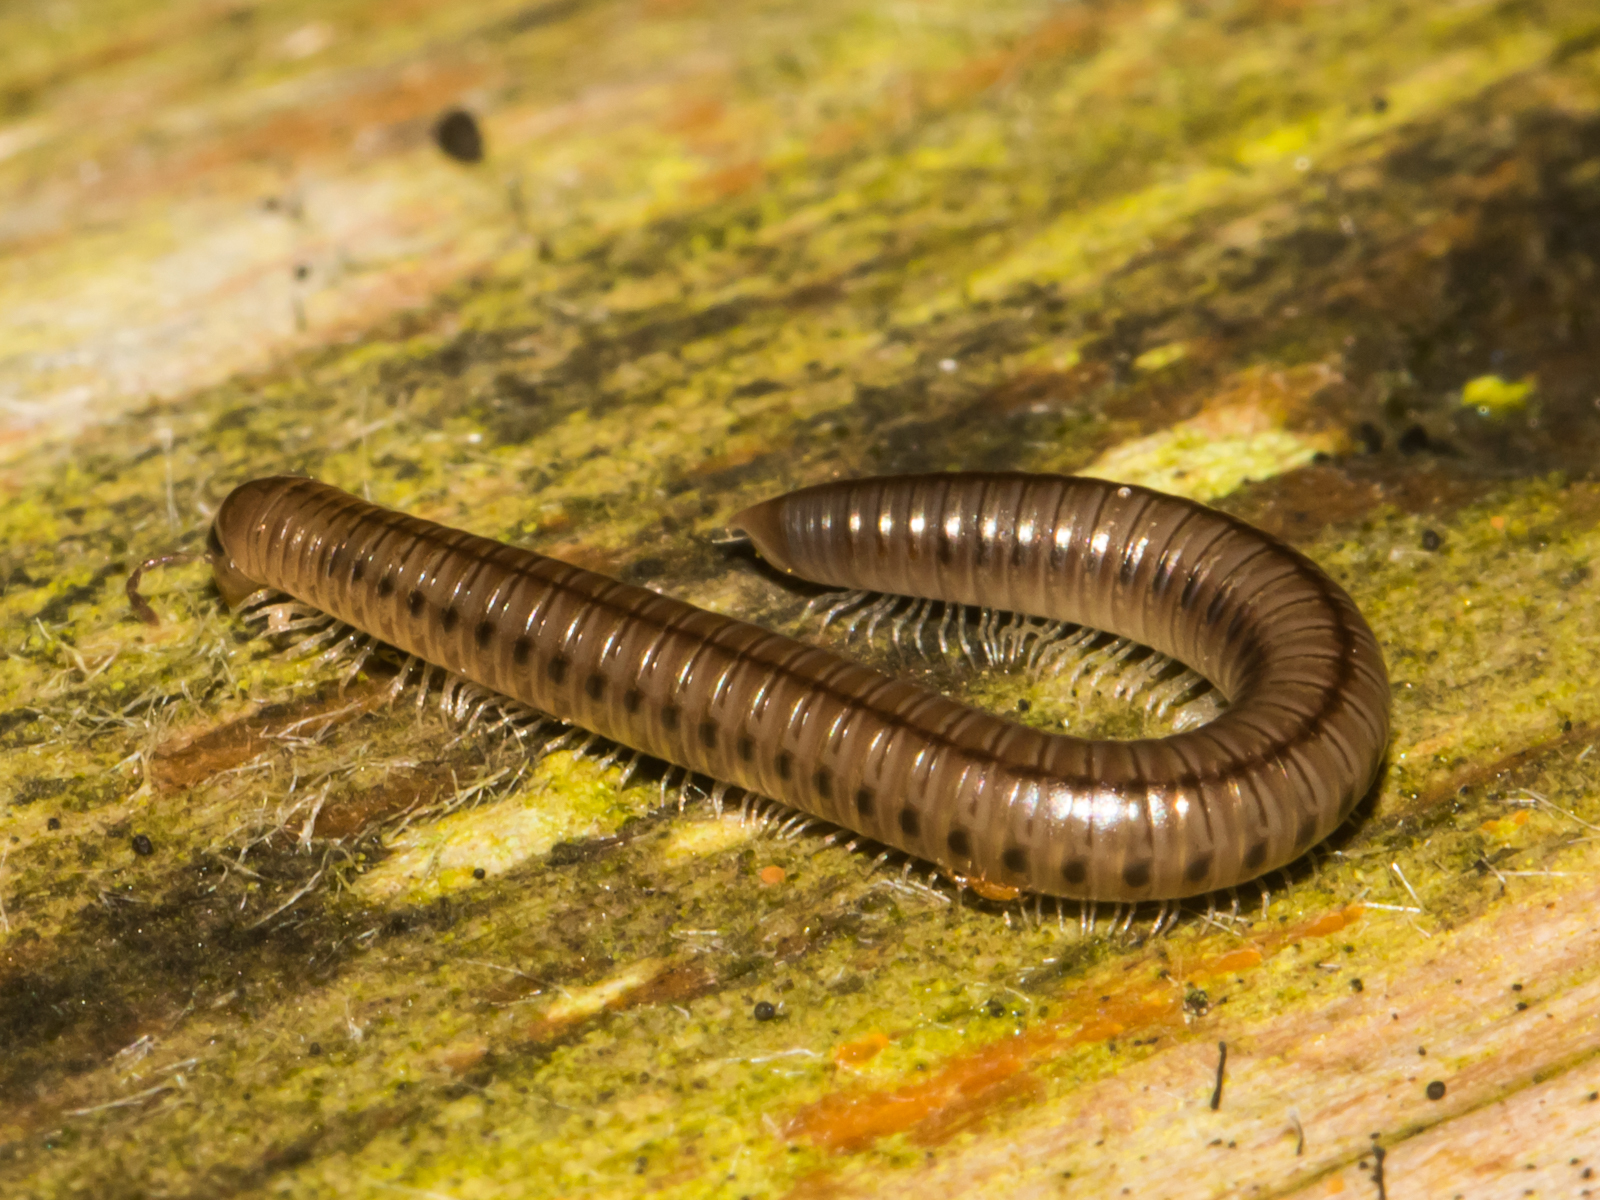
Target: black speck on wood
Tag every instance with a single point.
(458, 135)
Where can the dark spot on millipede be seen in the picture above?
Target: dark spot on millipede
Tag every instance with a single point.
(669, 717)
(594, 686)
(1162, 579)
(1198, 869)
(864, 801)
(708, 734)
(1075, 870)
(1136, 875)
(632, 699)
(386, 586)
(358, 570)
(1015, 860)
(960, 844)
(1241, 617)
(335, 559)
(1306, 834)
(746, 747)
(1256, 855)
(415, 602)
(1129, 567)
(556, 668)
(1190, 593)
(484, 633)
(521, 650)
(910, 822)
(823, 781)
(1218, 606)
(449, 619)
(784, 764)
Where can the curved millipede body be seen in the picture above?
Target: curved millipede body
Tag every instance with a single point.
(1159, 818)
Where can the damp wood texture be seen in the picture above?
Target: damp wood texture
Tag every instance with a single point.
(277, 921)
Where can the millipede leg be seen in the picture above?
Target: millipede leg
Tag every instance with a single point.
(914, 618)
(961, 635)
(879, 611)
(841, 605)
(357, 661)
(423, 683)
(628, 769)
(1161, 918)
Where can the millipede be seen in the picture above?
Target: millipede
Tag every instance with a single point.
(1300, 741)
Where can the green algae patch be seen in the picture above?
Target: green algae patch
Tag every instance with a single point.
(1490, 636)
(1492, 396)
(1159, 357)
(1254, 426)
(1209, 456)
(488, 825)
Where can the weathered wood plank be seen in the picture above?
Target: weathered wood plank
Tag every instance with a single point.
(1328, 266)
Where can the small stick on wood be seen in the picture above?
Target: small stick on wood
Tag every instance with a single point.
(1222, 1062)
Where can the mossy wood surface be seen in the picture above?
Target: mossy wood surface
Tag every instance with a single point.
(1331, 266)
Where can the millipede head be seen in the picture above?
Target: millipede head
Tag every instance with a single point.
(761, 526)
(236, 587)
(237, 520)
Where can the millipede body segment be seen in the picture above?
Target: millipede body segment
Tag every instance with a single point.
(1159, 818)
